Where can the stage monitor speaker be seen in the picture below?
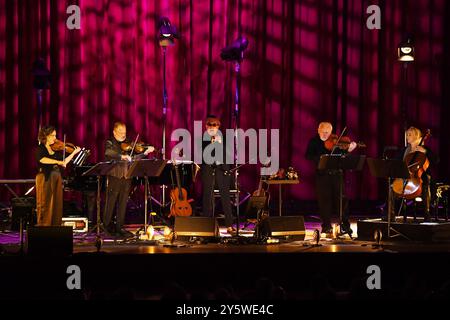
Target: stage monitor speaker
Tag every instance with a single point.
(50, 241)
(196, 227)
(289, 227)
(23, 207)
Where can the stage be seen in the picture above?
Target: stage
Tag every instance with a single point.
(285, 112)
(303, 270)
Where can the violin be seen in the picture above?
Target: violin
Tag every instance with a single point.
(417, 163)
(343, 144)
(58, 145)
(140, 147)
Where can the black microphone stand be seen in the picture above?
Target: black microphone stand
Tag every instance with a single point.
(237, 239)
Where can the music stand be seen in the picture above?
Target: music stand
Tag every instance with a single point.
(389, 169)
(146, 168)
(99, 170)
(341, 163)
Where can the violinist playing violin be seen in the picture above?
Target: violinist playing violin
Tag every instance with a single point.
(413, 139)
(327, 181)
(118, 185)
(50, 157)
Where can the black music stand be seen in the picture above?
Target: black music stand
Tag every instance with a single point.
(389, 169)
(146, 168)
(99, 170)
(341, 163)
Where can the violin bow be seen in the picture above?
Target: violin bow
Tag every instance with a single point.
(64, 148)
(339, 139)
(134, 145)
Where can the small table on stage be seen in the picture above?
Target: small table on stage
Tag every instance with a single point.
(280, 183)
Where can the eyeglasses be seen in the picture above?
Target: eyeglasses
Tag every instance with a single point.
(213, 124)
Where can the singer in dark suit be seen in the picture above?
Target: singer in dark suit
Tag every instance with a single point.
(216, 173)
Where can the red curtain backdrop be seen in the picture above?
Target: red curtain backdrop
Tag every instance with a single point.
(307, 61)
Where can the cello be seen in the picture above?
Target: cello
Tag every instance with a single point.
(417, 163)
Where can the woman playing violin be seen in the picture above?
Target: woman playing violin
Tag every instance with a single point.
(413, 139)
(327, 181)
(49, 187)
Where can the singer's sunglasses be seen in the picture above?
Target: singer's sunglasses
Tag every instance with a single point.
(213, 124)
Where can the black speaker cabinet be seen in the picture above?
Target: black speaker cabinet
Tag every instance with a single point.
(50, 241)
(196, 227)
(23, 208)
(289, 227)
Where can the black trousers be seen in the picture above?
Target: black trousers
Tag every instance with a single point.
(327, 191)
(117, 191)
(211, 176)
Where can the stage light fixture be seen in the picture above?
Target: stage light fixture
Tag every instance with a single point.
(167, 33)
(235, 51)
(405, 51)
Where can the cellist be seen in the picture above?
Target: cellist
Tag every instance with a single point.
(413, 138)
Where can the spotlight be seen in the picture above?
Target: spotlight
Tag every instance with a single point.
(167, 232)
(167, 33)
(150, 232)
(406, 51)
(235, 51)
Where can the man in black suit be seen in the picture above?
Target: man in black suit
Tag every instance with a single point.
(118, 186)
(327, 181)
(215, 171)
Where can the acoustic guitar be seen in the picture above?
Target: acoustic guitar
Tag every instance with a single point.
(180, 205)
